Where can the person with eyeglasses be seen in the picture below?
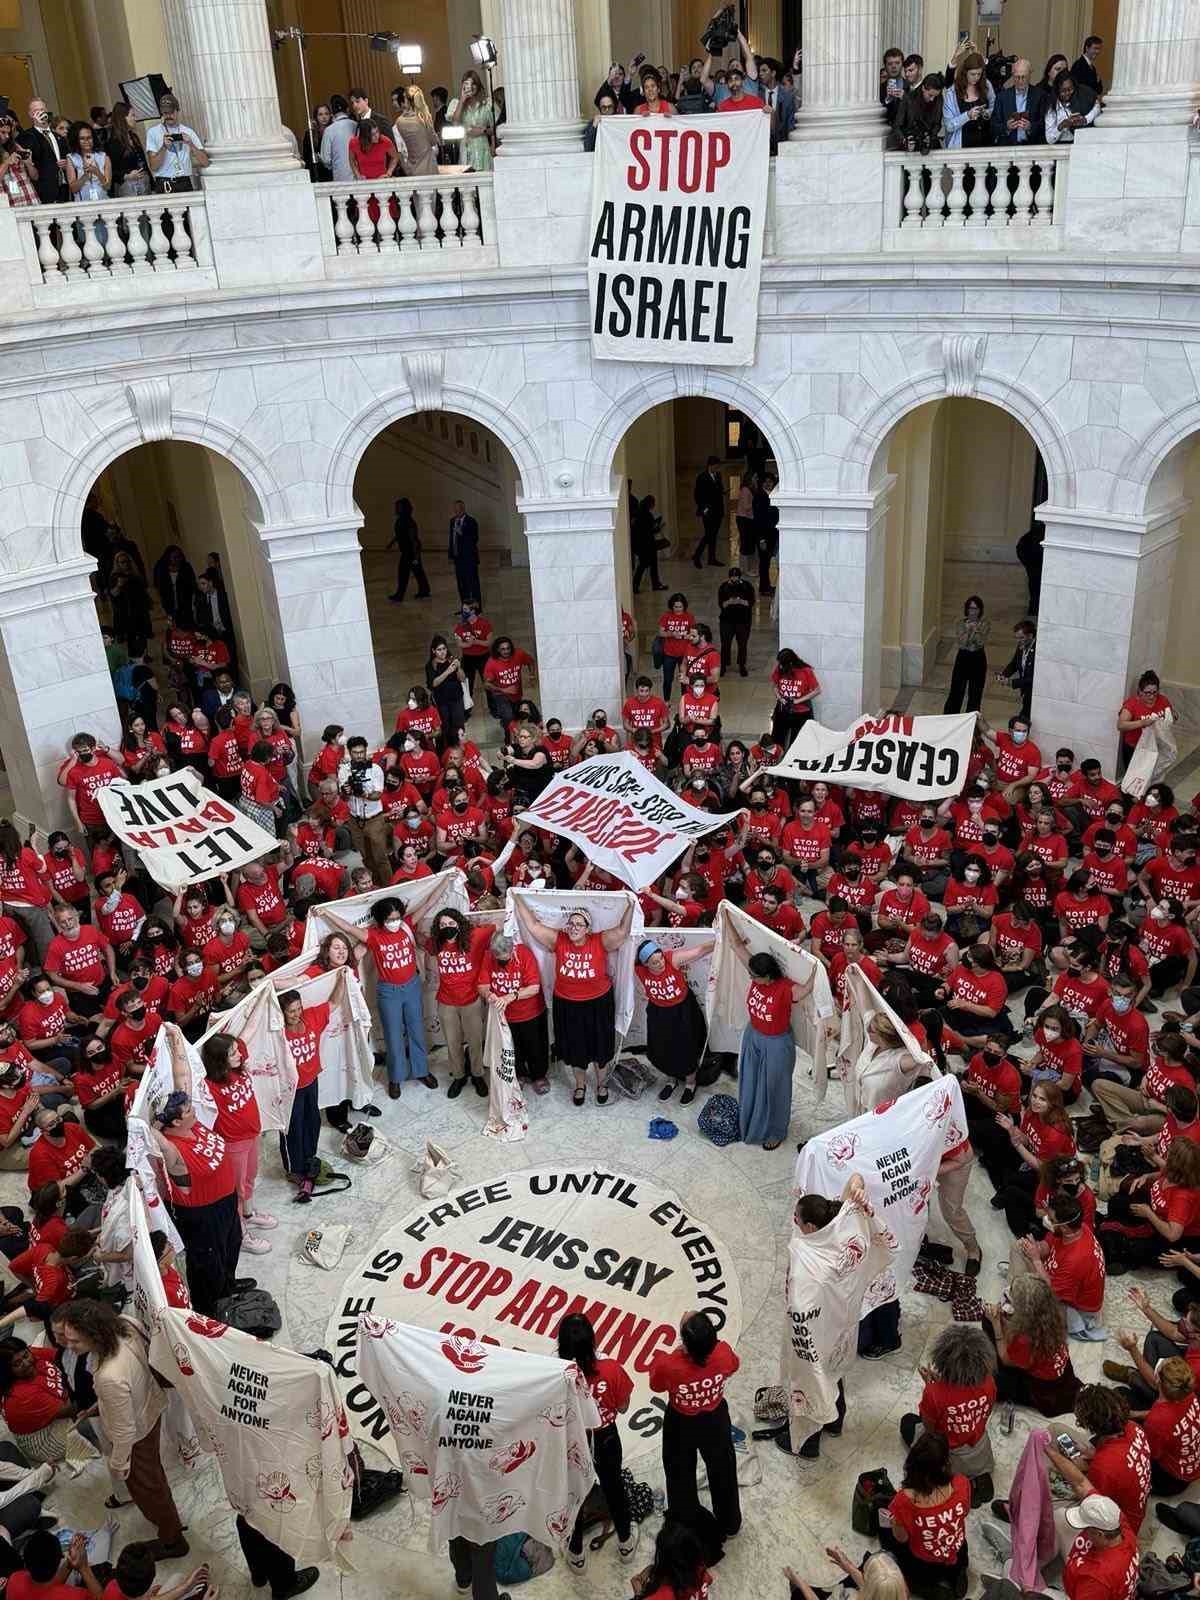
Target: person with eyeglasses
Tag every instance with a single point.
(607, 105)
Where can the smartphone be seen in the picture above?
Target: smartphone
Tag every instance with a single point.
(1067, 1446)
(963, 35)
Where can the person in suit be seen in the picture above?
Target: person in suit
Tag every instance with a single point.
(780, 100)
(175, 580)
(1084, 71)
(463, 551)
(48, 152)
(1019, 116)
(1018, 674)
(710, 508)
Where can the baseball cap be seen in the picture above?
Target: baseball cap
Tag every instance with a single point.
(1095, 1511)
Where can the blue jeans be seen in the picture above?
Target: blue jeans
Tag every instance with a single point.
(400, 1010)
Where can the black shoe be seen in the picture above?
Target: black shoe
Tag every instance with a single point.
(878, 1351)
(997, 1202)
(1000, 1511)
(810, 1450)
(245, 1283)
(160, 1550)
(1170, 1518)
(697, 563)
(667, 1090)
(424, 594)
(982, 1489)
(834, 1429)
(393, 1091)
(396, 600)
(481, 1087)
(909, 1423)
(368, 1110)
(686, 1098)
(457, 1085)
(742, 673)
(304, 1579)
(936, 1252)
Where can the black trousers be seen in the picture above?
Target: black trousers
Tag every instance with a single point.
(475, 1564)
(106, 1122)
(1165, 974)
(768, 548)
(410, 566)
(647, 561)
(705, 1436)
(711, 522)
(473, 667)
(785, 724)
(267, 1562)
(466, 575)
(732, 629)
(212, 1242)
(967, 679)
(531, 1043)
(298, 1145)
(606, 1453)
(1018, 1193)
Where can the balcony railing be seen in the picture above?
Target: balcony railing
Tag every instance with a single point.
(967, 199)
(144, 244)
(408, 224)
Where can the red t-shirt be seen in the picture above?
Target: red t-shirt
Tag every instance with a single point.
(1010, 941)
(1171, 882)
(580, 970)
(1045, 1367)
(828, 933)
(705, 1580)
(1094, 798)
(666, 988)
(1077, 1273)
(458, 970)
(1161, 1074)
(1173, 1433)
(793, 688)
(520, 971)
(611, 1388)
(85, 780)
(1081, 1000)
(784, 920)
(93, 1086)
(504, 674)
(1076, 914)
(237, 1110)
(925, 954)
(226, 957)
(224, 757)
(186, 992)
(806, 844)
(690, 1389)
(769, 1005)
(1158, 940)
(935, 1533)
(208, 1165)
(1095, 1574)
(263, 899)
(36, 1021)
(958, 1411)
(474, 636)
(995, 1083)
(674, 627)
(1016, 762)
(1044, 1139)
(394, 954)
(305, 1043)
(909, 911)
(923, 849)
(33, 1403)
(650, 713)
(81, 959)
(1173, 1203)
(51, 1164)
(978, 989)
(131, 1047)
(1136, 707)
(1120, 1468)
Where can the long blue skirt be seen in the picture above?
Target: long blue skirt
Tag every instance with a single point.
(765, 1085)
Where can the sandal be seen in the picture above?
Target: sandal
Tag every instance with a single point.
(774, 1144)
(113, 1504)
(579, 1097)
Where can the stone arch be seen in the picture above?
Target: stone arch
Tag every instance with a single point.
(676, 383)
(362, 430)
(1142, 481)
(861, 468)
(183, 428)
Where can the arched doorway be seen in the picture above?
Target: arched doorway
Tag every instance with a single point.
(967, 477)
(435, 460)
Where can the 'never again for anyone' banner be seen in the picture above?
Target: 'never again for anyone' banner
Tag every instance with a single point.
(915, 758)
(183, 832)
(621, 816)
(678, 210)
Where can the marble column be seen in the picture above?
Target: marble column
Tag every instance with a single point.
(1156, 72)
(841, 71)
(227, 46)
(54, 683)
(541, 78)
(903, 24)
(831, 584)
(1105, 605)
(180, 75)
(316, 606)
(576, 615)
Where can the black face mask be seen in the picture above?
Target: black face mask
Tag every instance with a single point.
(765, 866)
(460, 805)
(136, 1015)
(139, 982)
(702, 855)
(928, 822)
(870, 838)
(86, 755)
(850, 872)
(994, 1056)
(758, 805)
(991, 838)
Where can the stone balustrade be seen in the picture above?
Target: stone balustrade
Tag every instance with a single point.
(956, 199)
(128, 247)
(408, 224)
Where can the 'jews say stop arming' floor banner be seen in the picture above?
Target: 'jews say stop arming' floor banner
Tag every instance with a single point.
(678, 209)
(916, 758)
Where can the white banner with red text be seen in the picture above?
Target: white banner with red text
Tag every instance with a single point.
(896, 1150)
(915, 758)
(605, 907)
(174, 1065)
(858, 1058)
(621, 817)
(183, 832)
(679, 207)
(1153, 756)
(180, 1441)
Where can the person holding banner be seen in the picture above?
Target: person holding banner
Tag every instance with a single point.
(203, 1193)
(392, 946)
(509, 982)
(583, 1003)
(768, 1055)
(675, 1026)
(457, 949)
(612, 1389)
(239, 1124)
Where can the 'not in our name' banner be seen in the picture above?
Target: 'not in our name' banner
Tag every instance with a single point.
(679, 207)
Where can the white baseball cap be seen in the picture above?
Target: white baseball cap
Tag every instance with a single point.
(1095, 1511)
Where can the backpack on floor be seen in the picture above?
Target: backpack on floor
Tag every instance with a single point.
(520, 1557)
(718, 1120)
(627, 1078)
(252, 1311)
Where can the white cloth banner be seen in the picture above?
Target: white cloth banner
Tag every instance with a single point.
(180, 1441)
(258, 1022)
(275, 1423)
(679, 207)
(871, 1075)
(696, 973)
(729, 986)
(828, 1274)
(174, 1065)
(508, 1114)
(1154, 755)
(606, 908)
(495, 1439)
(916, 758)
(621, 817)
(896, 1149)
(183, 832)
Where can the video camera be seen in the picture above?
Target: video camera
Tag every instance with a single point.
(999, 70)
(721, 32)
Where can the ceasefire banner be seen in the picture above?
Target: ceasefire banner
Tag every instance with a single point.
(183, 832)
(915, 758)
(679, 206)
(621, 817)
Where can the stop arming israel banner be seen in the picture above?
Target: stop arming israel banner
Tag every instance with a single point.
(896, 1150)
(915, 758)
(621, 817)
(679, 205)
(183, 832)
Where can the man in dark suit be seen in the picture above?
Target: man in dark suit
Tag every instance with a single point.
(1084, 71)
(45, 148)
(710, 508)
(463, 550)
(1018, 674)
(212, 612)
(1019, 117)
(780, 100)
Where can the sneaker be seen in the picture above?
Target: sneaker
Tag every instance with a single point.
(260, 1219)
(255, 1245)
(304, 1579)
(997, 1538)
(577, 1563)
(626, 1550)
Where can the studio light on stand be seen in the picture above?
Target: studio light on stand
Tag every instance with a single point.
(483, 54)
(409, 59)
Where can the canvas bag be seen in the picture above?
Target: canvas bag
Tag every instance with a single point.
(435, 1172)
(324, 1247)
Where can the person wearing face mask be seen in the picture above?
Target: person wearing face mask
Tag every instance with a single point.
(991, 1085)
(1141, 710)
(509, 982)
(928, 957)
(64, 868)
(1124, 840)
(392, 947)
(1116, 1041)
(457, 949)
(193, 995)
(44, 1021)
(997, 857)
(1107, 873)
(859, 892)
(1174, 872)
(238, 1122)
(132, 1040)
(80, 959)
(1151, 819)
(675, 1028)
(1017, 757)
(100, 1091)
(1017, 942)
(970, 900)
(229, 951)
(1069, 1259)
(87, 769)
(872, 852)
(926, 848)
(459, 823)
(968, 815)
(1143, 1110)
(973, 996)
(1167, 944)
(61, 1155)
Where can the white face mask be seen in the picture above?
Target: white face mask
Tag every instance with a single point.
(412, 704)
(1152, 802)
(1161, 914)
(971, 875)
(46, 999)
(111, 901)
(409, 746)
(194, 969)
(226, 926)
(1051, 1035)
(1121, 1002)
(394, 924)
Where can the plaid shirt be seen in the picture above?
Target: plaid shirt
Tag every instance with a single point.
(18, 189)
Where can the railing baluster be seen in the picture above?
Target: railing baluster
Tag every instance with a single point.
(956, 200)
(408, 221)
(181, 244)
(159, 243)
(1043, 199)
(426, 220)
(470, 215)
(389, 213)
(48, 253)
(1022, 199)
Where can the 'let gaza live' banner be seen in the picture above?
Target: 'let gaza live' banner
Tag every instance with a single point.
(915, 758)
(183, 832)
(678, 210)
(621, 817)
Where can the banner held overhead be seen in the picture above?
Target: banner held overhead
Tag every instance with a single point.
(183, 832)
(914, 758)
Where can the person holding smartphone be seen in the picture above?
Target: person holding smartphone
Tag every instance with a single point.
(174, 151)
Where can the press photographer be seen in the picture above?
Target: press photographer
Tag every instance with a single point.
(360, 781)
(918, 124)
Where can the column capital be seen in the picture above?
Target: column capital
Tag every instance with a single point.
(231, 70)
(840, 81)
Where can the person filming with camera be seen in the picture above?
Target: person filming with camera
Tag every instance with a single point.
(918, 123)
(360, 781)
(174, 151)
